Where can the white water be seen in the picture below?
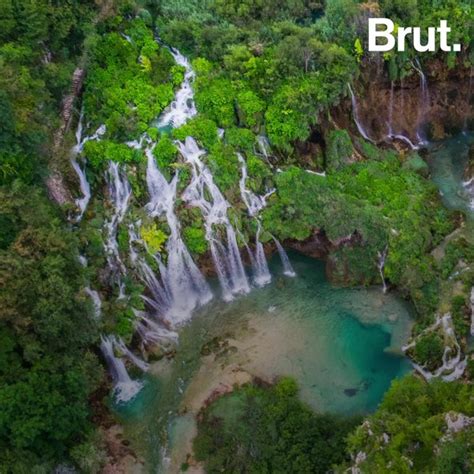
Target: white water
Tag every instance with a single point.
(424, 103)
(152, 332)
(287, 268)
(84, 186)
(453, 366)
(381, 266)
(124, 387)
(120, 345)
(203, 193)
(264, 148)
(94, 296)
(469, 188)
(120, 193)
(180, 276)
(254, 205)
(355, 113)
(182, 108)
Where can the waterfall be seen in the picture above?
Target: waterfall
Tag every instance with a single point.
(124, 387)
(254, 205)
(424, 102)
(81, 203)
(151, 332)
(160, 299)
(84, 186)
(263, 148)
(203, 193)
(399, 136)
(262, 274)
(182, 108)
(287, 268)
(94, 296)
(381, 265)
(405, 139)
(181, 275)
(453, 367)
(355, 113)
(120, 193)
(141, 364)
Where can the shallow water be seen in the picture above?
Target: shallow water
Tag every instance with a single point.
(341, 345)
(447, 160)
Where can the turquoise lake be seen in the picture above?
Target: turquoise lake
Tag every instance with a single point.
(341, 345)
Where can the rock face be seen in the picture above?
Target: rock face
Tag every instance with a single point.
(429, 104)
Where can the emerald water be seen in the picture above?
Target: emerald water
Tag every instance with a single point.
(341, 345)
(448, 160)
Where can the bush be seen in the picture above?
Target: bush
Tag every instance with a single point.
(429, 350)
(339, 150)
(256, 429)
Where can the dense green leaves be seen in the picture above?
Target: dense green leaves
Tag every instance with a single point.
(406, 431)
(130, 80)
(268, 430)
(46, 329)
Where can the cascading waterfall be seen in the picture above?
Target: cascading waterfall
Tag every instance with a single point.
(160, 297)
(424, 102)
(203, 193)
(120, 193)
(124, 387)
(135, 360)
(392, 134)
(287, 268)
(182, 108)
(84, 186)
(181, 275)
(264, 148)
(94, 296)
(153, 333)
(355, 114)
(381, 266)
(453, 365)
(254, 205)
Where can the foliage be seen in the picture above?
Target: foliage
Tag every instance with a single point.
(101, 152)
(165, 152)
(429, 350)
(129, 81)
(257, 429)
(195, 240)
(200, 128)
(410, 423)
(47, 371)
(339, 149)
(39, 44)
(153, 237)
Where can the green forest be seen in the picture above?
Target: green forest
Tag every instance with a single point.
(112, 223)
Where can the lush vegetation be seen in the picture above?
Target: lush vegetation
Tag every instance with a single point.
(409, 432)
(48, 368)
(268, 429)
(268, 68)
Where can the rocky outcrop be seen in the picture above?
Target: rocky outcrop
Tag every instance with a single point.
(407, 108)
(57, 188)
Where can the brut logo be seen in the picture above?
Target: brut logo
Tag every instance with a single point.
(389, 38)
